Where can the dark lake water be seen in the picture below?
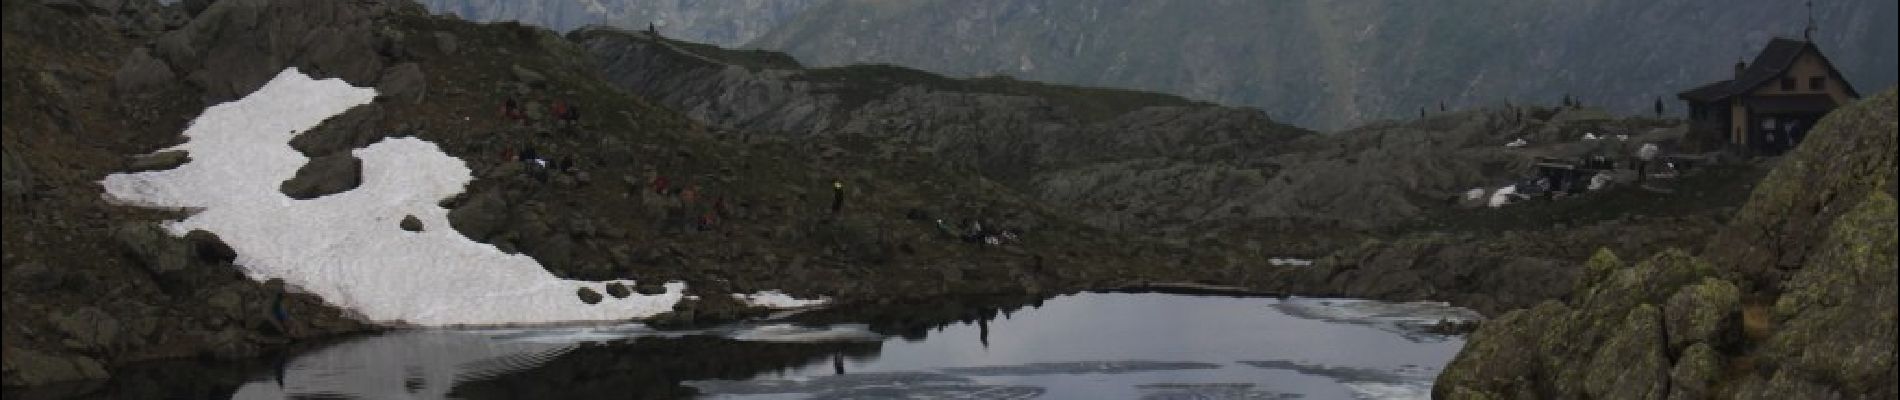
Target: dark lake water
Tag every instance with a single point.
(1081, 346)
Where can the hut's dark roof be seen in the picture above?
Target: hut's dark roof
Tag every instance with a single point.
(1772, 62)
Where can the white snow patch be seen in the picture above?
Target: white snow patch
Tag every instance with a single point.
(1389, 391)
(801, 334)
(1520, 142)
(1474, 194)
(347, 247)
(778, 300)
(1290, 262)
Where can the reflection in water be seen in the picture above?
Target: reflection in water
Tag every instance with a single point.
(413, 364)
(1091, 345)
(1148, 346)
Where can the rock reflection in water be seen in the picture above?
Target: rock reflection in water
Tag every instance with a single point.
(414, 364)
(1090, 345)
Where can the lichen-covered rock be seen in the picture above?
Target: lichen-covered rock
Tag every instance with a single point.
(1631, 365)
(1501, 353)
(1826, 213)
(1695, 371)
(1847, 154)
(1836, 323)
(1706, 312)
(1650, 281)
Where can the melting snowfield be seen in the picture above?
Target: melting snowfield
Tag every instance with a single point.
(347, 247)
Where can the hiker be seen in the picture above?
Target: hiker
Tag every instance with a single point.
(707, 221)
(1643, 156)
(558, 110)
(689, 194)
(507, 154)
(566, 164)
(837, 196)
(659, 184)
(279, 316)
(511, 109)
(719, 208)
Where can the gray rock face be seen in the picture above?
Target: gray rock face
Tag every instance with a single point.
(150, 246)
(404, 82)
(233, 47)
(90, 327)
(142, 72)
(324, 176)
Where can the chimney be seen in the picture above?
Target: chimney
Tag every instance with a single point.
(1739, 67)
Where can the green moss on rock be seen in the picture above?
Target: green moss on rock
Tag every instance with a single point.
(1707, 312)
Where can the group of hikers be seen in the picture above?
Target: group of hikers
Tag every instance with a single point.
(561, 111)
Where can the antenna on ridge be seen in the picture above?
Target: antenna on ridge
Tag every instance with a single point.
(1808, 34)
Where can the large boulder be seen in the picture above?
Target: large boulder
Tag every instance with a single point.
(209, 248)
(1705, 313)
(483, 215)
(142, 73)
(324, 176)
(1695, 373)
(404, 82)
(1631, 364)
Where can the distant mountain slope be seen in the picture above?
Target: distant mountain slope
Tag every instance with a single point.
(1122, 160)
(726, 22)
(1332, 64)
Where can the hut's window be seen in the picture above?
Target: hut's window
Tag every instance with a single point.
(1818, 83)
(1787, 83)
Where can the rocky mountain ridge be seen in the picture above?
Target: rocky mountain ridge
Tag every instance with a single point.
(1330, 65)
